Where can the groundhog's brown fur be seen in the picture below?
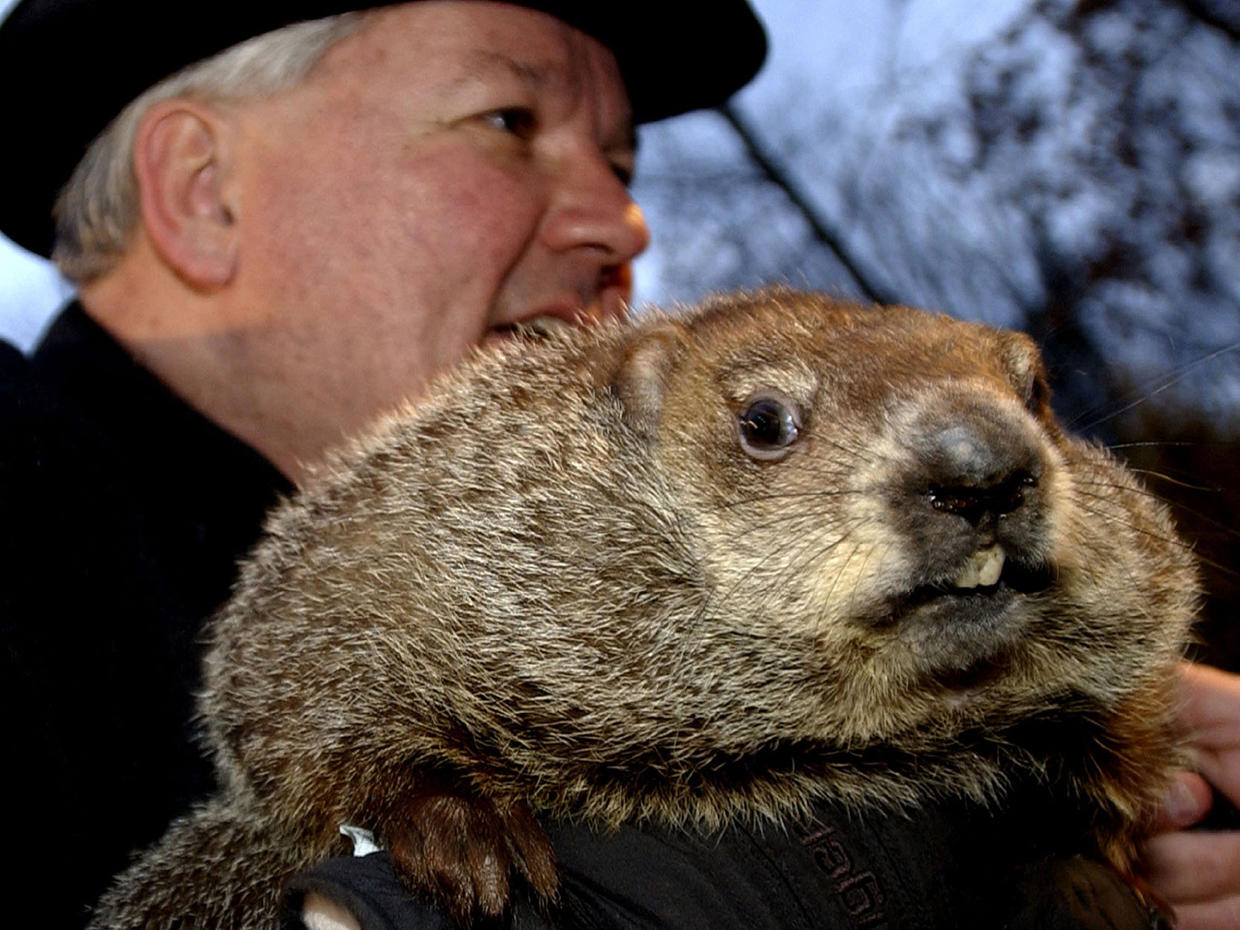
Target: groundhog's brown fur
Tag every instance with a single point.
(686, 570)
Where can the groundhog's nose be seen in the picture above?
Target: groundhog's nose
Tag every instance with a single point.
(978, 470)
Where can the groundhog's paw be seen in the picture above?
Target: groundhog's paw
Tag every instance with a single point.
(461, 851)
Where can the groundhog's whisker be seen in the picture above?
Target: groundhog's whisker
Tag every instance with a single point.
(1163, 476)
(1096, 499)
(1146, 390)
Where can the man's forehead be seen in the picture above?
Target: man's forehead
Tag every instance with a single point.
(482, 63)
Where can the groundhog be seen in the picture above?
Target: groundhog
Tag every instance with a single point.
(685, 571)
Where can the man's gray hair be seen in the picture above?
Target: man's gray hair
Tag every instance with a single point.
(97, 211)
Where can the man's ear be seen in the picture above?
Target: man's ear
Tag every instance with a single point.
(181, 158)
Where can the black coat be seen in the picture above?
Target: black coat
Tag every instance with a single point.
(123, 515)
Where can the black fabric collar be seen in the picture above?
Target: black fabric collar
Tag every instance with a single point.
(153, 493)
(87, 376)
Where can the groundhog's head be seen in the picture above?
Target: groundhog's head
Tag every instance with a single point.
(898, 541)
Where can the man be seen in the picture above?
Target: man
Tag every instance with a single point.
(270, 252)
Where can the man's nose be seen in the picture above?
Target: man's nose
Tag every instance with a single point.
(591, 210)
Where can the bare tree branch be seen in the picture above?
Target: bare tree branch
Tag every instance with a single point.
(804, 203)
(1217, 13)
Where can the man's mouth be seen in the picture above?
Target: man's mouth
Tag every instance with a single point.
(542, 326)
(557, 319)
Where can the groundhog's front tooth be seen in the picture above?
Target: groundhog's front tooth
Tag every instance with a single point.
(984, 568)
(990, 564)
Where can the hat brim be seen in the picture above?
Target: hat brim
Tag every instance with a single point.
(70, 66)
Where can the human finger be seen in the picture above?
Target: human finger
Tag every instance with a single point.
(1193, 867)
(1210, 705)
(1210, 712)
(1187, 801)
(1214, 915)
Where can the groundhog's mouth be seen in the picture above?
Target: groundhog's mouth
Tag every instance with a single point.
(960, 631)
(978, 595)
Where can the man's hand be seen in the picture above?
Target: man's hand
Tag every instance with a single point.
(1199, 872)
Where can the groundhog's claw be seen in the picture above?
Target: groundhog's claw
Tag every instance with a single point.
(460, 850)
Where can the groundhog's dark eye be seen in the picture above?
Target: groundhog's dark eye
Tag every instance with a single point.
(769, 425)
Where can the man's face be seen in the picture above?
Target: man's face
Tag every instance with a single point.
(454, 168)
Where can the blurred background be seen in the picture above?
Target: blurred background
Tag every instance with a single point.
(1066, 167)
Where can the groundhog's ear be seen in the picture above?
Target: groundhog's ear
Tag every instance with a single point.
(1023, 363)
(640, 379)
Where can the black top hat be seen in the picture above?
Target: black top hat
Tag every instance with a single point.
(68, 67)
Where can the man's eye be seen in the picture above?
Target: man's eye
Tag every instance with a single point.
(516, 120)
(623, 172)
